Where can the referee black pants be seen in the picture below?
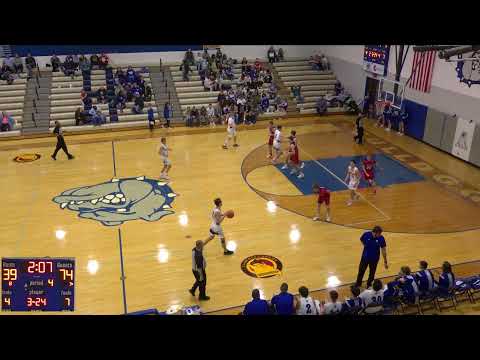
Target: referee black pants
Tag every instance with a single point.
(372, 265)
(200, 282)
(359, 137)
(61, 145)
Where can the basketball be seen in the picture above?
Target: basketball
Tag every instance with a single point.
(229, 214)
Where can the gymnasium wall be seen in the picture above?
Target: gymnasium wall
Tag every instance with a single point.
(150, 54)
(431, 116)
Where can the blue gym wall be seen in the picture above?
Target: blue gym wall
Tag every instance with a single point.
(48, 50)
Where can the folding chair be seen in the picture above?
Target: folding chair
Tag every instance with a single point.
(448, 297)
(374, 309)
(407, 307)
(427, 301)
(474, 283)
(462, 292)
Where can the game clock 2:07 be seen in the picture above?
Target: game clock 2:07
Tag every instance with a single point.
(38, 284)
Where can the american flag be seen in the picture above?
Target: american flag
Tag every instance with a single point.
(422, 70)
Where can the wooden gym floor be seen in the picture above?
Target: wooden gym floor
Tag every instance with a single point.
(435, 219)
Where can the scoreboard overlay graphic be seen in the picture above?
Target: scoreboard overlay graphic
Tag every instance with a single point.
(38, 284)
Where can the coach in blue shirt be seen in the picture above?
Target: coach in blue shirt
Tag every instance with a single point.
(283, 302)
(257, 306)
(373, 242)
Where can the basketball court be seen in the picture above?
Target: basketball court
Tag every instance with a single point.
(134, 260)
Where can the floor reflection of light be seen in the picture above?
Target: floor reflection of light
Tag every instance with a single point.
(60, 234)
(92, 266)
(162, 254)
(271, 206)
(295, 234)
(231, 245)
(333, 281)
(183, 218)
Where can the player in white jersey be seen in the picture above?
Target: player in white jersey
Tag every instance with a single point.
(334, 307)
(216, 226)
(353, 177)
(167, 164)
(305, 305)
(373, 297)
(277, 143)
(231, 132)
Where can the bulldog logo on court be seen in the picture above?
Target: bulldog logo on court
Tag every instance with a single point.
(261, 266)
(120, 200)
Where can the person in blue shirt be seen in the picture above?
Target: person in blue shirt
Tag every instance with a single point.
(130, 75)
(257, 306)
(402, 122)
(424, 278)
(373, 242)
(283, 302)
(446, 280)
(408, 286)
(394, 119)
(355, 304)
(151, 118)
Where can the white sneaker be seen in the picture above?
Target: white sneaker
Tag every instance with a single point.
(302, 166)
(284, 167)
(292, 172)
(316, 218)
(300, 176)
(349, 203)
(327, 219)
(387, 129)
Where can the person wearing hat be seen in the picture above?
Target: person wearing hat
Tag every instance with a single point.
(198, 268)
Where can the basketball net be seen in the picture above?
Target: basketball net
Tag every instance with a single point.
(379, 107)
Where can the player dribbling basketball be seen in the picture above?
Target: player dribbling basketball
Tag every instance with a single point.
(231, 132)
(167, 164)
(216, 227)
(353, 177)
(323, 197)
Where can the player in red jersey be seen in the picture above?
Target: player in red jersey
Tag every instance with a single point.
(271, 135)
(323, 197)
(294, 159)
(293, 138)
(369, 166)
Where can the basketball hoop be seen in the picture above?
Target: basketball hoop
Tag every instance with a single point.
(379, 107)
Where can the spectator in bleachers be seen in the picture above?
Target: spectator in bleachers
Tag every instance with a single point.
(338, 88)
(203, 115)
(189, 57)
(321, 105)
(325, 64)
(333, 307)
(83, 63)
(102, 95)
(211, 114)
(76, 61)
(257, 306)
(8, 61)
(195, 116)
(185, 67)
(121, 101)
(120, 76)
(167, 113)
(283, 303)
(138, 105)
(373, 298)
(6, 74)
(55, 62)
(354, 304)
(425, 279)
(446, 280)
(103, 61)
(7, 123)
(94, 61)
(280, 54)
(18, 63)
(316, 62)
(69, 66)
(207, 84)
(148, 93)
(264, 103)
(130, 75)
(80, 118)
(271, 55)
(30, 64)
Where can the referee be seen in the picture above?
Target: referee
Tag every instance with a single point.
(373, 242)
(60, 142)
(359, 127)
(198, 268)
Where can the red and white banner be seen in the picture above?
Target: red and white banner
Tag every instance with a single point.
(422, 70)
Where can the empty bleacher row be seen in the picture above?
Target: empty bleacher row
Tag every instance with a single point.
(65, 99)
(314, 83)
(12, 99)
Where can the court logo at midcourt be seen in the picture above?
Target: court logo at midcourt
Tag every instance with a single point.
(261, 266)
(119, 200)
